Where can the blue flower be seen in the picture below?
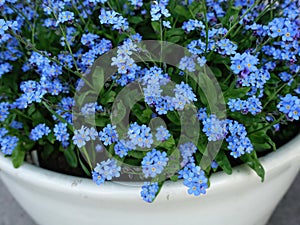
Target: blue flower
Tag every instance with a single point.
(244, 63)
(167, 24)
(106, 170)
(4, 107)
(81, 136)
(3, 26)
(8, 144)
(159, 10)
(214, 164)
(113, 18)
(61, 133)
(154, 163)
(3, 132)
(65, 16)
(89, 39)
(238, 142)
(187, 63)
(122, 147)
(108, 135)
(149, 191)
(162, 134)
(194, 179)
(191, 25)
(39, 131)
(136, 3)
(16, 125)
(290, 106)
(187, 150)
(140, 135)
(214, 128)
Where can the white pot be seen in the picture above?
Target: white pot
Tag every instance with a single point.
(240, 199)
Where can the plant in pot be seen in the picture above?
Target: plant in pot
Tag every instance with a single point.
(153, 101)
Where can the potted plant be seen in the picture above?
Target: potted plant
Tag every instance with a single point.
(151, 100)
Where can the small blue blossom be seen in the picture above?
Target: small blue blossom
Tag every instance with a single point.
(140, 135)
(106, 170)
(3, 26)
(214, 164)
(8, 144)
(108, 135)
(290, 106)
(39, 131)
(162, 134)
(194, 179)
(149, 191)
(191, 25)
(238, 142)
(4, 110)
(16, 125)
(61, 133)
(159, 10)
(243, 63)
(154, 163)
(214, 128)
(81, 136)
(122, 148)
(167, 24)
(3, 132)
(187, 150)
(65, 16)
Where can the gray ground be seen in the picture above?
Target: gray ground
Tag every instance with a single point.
(287, 212)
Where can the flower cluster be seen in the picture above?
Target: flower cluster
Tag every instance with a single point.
(290, 106)
(106, 170)
(154, 163)
(149, 191)
(194, 178)
(252, 105)
(237, 81)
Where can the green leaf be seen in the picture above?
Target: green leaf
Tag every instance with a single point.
(48, 149)
(182, 11)
(135, 19)
(168, 144)
(51, 138)
(102, 121)
(175, 32)
(252, 161)
(174, 178)
(216, 71)
(224, 162)
(156, 26)
(18, 156)
(137, 154)
(84, 168)
(147, 113)
(236, 92)
(173, 117)
(98, 78)
(31, 110)
(108, 98)
(174, 39)
(71, 157)
(261, 141)
(38, 117)
(84, 97)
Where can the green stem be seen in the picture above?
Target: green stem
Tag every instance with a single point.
(22, 114)
(238, 22)
(268, 126)
(58, 116)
